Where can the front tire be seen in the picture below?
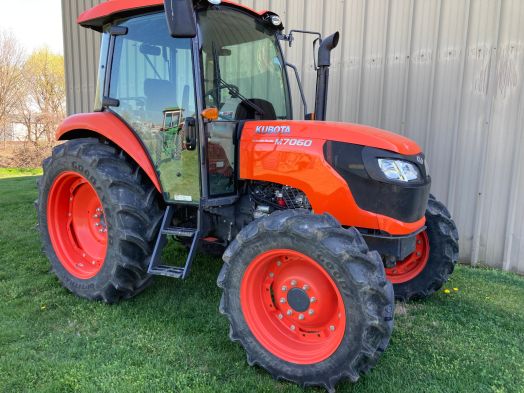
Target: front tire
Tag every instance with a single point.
(98, 216)
(306, 299)
(426, 270)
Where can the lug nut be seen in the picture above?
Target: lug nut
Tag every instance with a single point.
(271, 274)
(313, 299)
(292, 327)
(419, 242)
(284, 288)
(280, 316)
(282, 300)
(301, 317)
(93, 262)
(311, 311)
(289, 312)
(419, 254)
(279, 263)
(305, 287)
(293, 282)
(332, 328)
(95, 215)
(97, 224)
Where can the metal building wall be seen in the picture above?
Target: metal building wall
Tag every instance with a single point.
(81, 50)
(447, 73)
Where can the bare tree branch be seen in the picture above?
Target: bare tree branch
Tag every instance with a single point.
(11, 79)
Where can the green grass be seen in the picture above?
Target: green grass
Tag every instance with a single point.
(17, 172)
(172, 338)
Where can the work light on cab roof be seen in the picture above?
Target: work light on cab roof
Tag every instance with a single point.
(193, 139)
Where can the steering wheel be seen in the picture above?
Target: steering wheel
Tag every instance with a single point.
(229, 86)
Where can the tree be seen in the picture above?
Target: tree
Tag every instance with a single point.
(11, 79)
(44, 107)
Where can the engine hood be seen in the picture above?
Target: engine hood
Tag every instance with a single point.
(333, 131)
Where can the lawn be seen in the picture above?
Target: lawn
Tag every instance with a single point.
(173, 339)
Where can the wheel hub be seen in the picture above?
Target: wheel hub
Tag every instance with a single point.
(298, 299)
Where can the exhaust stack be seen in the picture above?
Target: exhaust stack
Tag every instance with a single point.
(324, 62)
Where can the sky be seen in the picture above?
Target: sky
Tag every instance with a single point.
(35, 23)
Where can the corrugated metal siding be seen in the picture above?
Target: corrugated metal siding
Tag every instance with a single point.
(81, 51)
(447, 73)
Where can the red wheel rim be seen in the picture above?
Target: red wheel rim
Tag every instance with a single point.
(273, 296)
(77, 226)
(413, 265)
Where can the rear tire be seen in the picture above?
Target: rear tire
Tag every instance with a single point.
(335, 259)
(441, 238)
(129, 215)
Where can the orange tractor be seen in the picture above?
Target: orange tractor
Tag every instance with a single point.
(321, 224)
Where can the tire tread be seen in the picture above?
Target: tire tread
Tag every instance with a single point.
(132, 194)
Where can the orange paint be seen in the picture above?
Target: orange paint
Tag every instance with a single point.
(109, 126)
(112, 7)
(263, 159)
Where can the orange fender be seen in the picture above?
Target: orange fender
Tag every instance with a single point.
(109, 126)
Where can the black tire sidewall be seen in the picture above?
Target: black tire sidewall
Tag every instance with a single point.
(443, 255)
(67, 163)
(350, 345)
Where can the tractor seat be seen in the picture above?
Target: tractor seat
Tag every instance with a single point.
(160, 95)
(245, 112)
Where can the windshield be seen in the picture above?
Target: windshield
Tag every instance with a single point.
(244, 74)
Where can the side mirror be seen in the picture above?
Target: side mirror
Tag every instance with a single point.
(180, 18)
(190, 133)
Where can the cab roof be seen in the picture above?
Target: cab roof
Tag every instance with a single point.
(96, 17)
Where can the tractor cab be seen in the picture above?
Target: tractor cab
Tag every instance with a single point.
(234, 65)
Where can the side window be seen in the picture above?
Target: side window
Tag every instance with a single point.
(152, 72)
(152, 77)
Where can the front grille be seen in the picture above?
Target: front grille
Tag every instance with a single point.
(404, 202)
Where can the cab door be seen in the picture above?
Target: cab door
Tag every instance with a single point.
(221, 158)
(152, 78)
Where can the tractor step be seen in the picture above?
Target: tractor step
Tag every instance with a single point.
(167, 271)
(156, 267)
(180, 232)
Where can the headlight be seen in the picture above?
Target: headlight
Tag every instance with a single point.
(275, 19)
(398, 170)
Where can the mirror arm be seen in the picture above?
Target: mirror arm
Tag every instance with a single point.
(290, 37)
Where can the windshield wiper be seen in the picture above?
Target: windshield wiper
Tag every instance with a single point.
(233, 90)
